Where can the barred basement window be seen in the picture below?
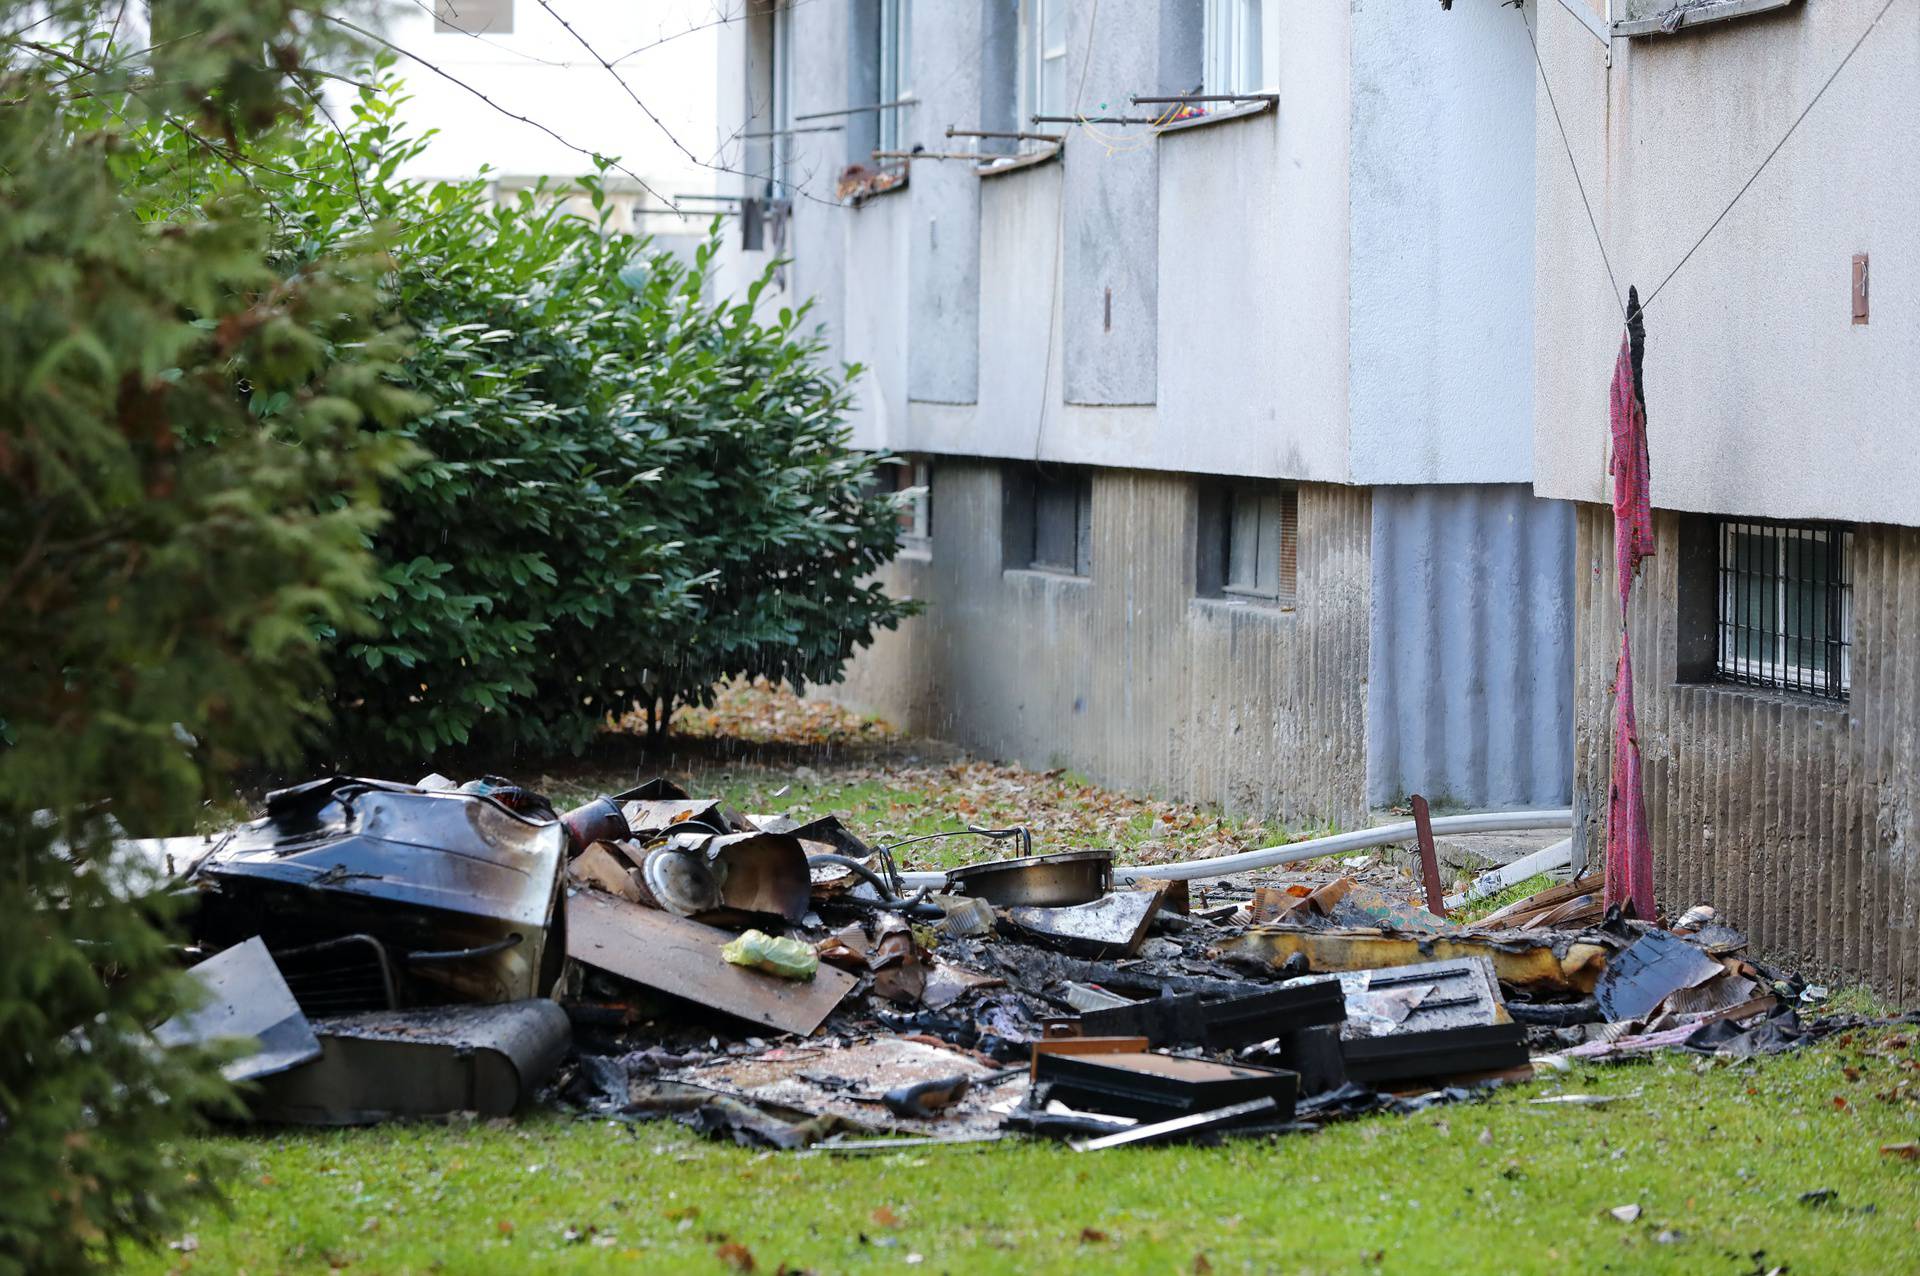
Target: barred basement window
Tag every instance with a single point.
(1784, 606)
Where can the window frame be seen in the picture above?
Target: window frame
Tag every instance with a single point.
(1035, 56)
(1028, 490)
(1781, 671)
(894, 61)
(1233, 57)
(1218, 574)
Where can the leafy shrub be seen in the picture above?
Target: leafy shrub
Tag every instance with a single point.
(188, 497)
(634, 492)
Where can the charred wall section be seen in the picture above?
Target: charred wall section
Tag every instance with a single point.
(1798, 818)
(1126, 674)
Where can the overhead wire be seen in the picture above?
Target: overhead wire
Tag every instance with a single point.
(1599, 240)
(1054, 283)
(1593, 221)
(1746, 185)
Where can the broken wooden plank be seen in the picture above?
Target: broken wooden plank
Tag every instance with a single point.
(1518, 911)
(682, 957)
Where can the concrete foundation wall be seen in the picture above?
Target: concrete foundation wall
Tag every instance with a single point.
(1798, 818)
(1126, 675)
(1469, 687)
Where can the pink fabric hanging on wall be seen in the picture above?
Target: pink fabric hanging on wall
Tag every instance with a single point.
(1629, 851)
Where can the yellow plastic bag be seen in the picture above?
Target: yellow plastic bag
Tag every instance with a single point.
(787, 958)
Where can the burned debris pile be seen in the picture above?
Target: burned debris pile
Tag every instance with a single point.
(389, 950)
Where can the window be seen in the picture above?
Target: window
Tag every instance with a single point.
(1665, 17)
(911, 482)
(1043, 59)
(1049, 520)
(896, 69)
(1784, 606)
(1249, 542)
(473, 17)
(769, 105)
(1232, 43)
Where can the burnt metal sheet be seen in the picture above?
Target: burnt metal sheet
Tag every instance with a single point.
(650, 819)
(602, 868)
(454, 874)
(1650, 969)
(1460, 992)
(1555, 963)
(1221, 1023)
(1111, 926)
(679, 956)
(246, 998)
(762, 874)
(1444, 1052)
(418, 1063)
(1155, 1087)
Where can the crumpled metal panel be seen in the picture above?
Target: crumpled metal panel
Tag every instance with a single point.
(246, 998)
(415, 1063)
(430, 874)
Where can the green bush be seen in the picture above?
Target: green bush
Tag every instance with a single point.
(188, 497)
(634, 492)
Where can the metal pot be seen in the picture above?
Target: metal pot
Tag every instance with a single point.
(1044, 881)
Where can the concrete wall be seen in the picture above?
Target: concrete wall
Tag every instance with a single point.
(1763, 397)
(1441, 301)
(1798, 818)
(1115, 49)
(1469, 687)
(1125, 674)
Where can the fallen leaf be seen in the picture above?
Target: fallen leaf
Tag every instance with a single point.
(1905, 1151)
(1092, 1236)
(1202, 1267)
(885, 1217)
(1625, 1213)
(505, 1227)
(735, 1255)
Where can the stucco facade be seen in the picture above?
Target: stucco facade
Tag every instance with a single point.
(1232, 297)
(1764, 397)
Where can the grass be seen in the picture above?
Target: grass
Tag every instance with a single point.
(1474, 910)
(1717, 1156)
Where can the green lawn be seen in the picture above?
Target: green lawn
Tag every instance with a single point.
(1717, 1156)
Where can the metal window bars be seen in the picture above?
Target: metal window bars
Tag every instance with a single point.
(1784, 606)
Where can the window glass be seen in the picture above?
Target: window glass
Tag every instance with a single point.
(1044, 55)
(896, 69)
(1233, 47)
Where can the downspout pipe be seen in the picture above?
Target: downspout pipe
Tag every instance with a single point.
(1314, 848)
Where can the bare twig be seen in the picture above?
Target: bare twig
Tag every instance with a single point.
(444, 74)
